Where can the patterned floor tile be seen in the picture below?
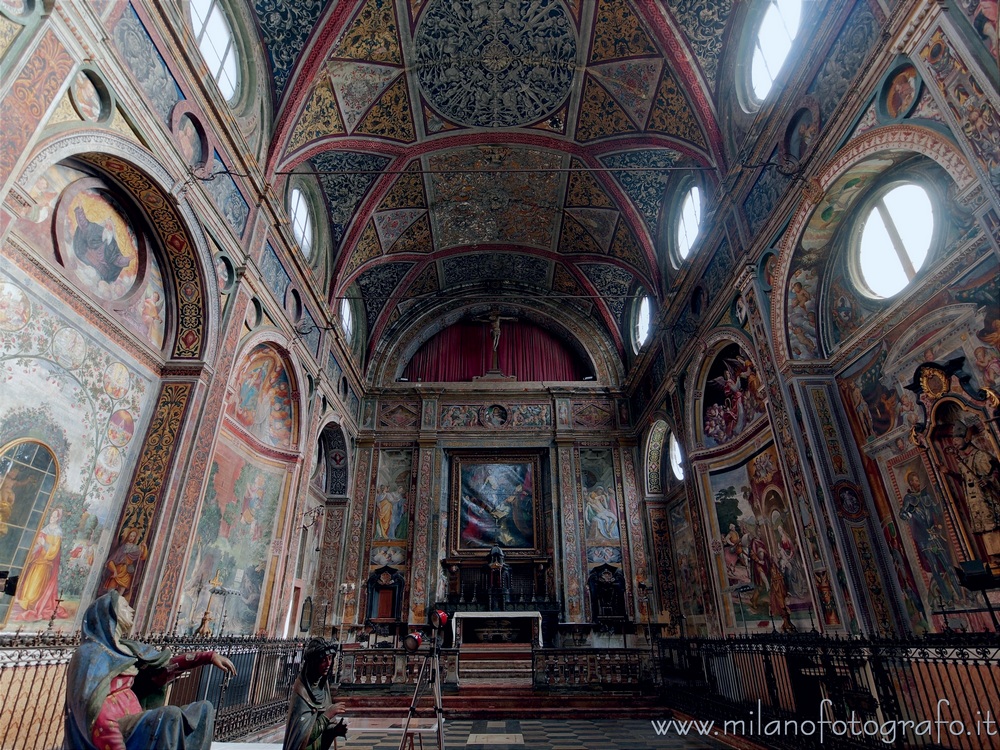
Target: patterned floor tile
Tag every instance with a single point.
(542, 735)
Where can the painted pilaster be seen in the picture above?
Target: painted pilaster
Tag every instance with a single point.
(636, 562)
(853, 499)
(833, 596)
(571, 554)
(358, 509)
(422, 518)
(169, 551)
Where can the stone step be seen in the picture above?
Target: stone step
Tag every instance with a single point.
(503, 683)
(480, 698)
(485, 679)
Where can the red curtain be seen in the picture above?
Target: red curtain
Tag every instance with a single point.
(465, 350)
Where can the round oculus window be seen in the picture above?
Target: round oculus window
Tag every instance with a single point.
(895, 238)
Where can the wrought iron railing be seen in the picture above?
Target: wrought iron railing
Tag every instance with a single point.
(256, 698)
(811, 691)
(33, 690)
(823, 692)
(33, 685)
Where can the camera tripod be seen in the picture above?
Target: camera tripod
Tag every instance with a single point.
(430, 672)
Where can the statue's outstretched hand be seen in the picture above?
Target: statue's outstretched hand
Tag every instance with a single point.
(224, 664)
(336, 708)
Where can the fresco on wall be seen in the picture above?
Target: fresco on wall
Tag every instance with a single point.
(968, 98)
(101, 248)
(801, 134)
(983, 16)
(189, 141)
(48, 187)
(146, 63)
(16, 7)
(654, 457)
(262, 400)
(391, 517)
(28, 474)
(802, 285)
(733, 396)
(959, 321)
(317, 470)
(901, 91)
(927, 536)
(225, 576)
(102, 240)
(66, 439)
(86, 99)
(757, 545)
(602, 529)
(689, 572)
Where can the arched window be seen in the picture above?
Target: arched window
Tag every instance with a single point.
(347, 319)
(643, 322)
(217, 44)
(300, 212)
(895, 237)
(688, 223)
(676, 457)
(779, 23)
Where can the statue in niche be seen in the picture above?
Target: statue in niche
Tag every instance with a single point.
(116, 688)
(964, 451)
(607, 587)
(311, 709)
(977, 473)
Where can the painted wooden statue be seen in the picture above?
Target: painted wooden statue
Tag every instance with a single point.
(310, 707)
(116, 688)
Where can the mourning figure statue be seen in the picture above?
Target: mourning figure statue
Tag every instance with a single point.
(311, 710)
(116, 688)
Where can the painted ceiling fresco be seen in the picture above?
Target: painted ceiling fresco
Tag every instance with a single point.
(448, 134)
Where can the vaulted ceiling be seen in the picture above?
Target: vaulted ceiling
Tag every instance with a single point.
(514, 147)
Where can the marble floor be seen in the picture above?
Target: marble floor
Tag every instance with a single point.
(548, 734)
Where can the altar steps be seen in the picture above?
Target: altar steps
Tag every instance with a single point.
(495, 666)
(492, 702)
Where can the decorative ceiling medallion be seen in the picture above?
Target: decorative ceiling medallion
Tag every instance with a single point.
(495, 64)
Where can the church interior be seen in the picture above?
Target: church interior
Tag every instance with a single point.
(604, 326)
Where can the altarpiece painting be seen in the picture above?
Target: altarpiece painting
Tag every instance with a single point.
(494, 502)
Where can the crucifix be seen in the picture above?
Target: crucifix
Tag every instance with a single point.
(494, 319)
